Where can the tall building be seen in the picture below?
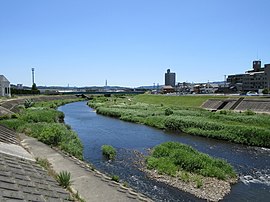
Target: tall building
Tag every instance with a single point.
(169, 78)
(4, 86)
(253, 80)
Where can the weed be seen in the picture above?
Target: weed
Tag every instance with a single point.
(108, 151)
(28, 103)
(125, 184)
(64, 179)
(115, 178)
(46, 165)
(184, 176)
(198, 181)
(43, 163)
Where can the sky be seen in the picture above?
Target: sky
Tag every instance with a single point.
(130, 42)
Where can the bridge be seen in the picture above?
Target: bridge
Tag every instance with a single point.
(106, 93)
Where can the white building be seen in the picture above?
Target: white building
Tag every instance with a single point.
(4, 86)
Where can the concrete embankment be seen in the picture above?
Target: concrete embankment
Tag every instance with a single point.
(259, 105)
(9, 106)
(90, 184)
(23, 179)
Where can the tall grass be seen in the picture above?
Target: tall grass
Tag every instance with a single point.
(171, 157)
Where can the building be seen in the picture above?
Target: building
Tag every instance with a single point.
(169, 78)
(167, 89)
(253, 80)
(4, 86)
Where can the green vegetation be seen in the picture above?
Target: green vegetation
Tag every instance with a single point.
(171, 157)
(115, 178)
(181, 113)
(175, 101)
(28, 103)
(45, 123)
(63, 178)
(108, 151)
(47, 166)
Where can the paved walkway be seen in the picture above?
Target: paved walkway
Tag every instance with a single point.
(91, 185)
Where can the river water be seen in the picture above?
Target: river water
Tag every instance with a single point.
(251, 163)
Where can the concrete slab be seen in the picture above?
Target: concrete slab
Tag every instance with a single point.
(16, 151)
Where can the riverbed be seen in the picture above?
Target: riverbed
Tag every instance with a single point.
(252, 163)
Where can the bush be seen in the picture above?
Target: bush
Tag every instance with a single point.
(53, 134)
(108, 151)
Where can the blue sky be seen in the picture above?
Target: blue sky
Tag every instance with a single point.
(130, 42)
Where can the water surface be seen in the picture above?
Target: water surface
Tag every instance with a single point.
(252, 163)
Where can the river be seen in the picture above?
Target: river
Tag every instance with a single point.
(251, 163)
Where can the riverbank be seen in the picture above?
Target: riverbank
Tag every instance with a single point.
(246, 128)
(43, 123)
(41, 120)
(88, 183)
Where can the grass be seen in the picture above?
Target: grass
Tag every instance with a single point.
(47, 166)
(43, 122)
(108, 151)
(171, 157)
(64, 179)
(181, 113)
(115, 178)
(178, 101)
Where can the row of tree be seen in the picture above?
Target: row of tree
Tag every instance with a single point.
(32, 91)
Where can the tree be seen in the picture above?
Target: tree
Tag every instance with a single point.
(265, 91)
(34, 87)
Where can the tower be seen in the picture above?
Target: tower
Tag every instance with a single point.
(33, 76)
(169, 78)
(256, 65)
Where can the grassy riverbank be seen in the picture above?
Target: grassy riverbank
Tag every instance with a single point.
(182, 113)
(45, 123)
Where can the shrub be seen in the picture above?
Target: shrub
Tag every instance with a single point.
(168, 111)
(108, 151)
(52, 134)
(64, 179)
